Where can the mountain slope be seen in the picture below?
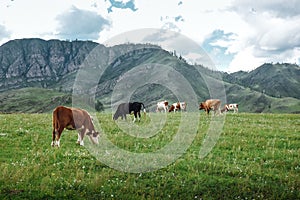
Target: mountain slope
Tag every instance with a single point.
(36, 62)
(252, 101)
(44, 67)
(277, 80)
(150, 93)
(32, 100)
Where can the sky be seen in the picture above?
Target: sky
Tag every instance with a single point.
(236, 34)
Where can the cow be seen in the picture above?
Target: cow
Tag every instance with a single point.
(162, 105)
(178, 106)
(73, 119)
(128, 108)
(211, 104)
(223, 110)
(232, 106)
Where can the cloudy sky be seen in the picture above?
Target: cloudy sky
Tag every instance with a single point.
(237, 34)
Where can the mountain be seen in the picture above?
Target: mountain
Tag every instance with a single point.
(276, 80)
(36, 62)
(49, 70)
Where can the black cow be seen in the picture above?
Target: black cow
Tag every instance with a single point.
(128, 108)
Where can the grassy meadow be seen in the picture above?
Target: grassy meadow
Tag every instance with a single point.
(257, 156)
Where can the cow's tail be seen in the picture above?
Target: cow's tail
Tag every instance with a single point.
(55, 126)
(55, 120)
(144, 108)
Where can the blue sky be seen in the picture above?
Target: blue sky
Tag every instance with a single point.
(236, 34)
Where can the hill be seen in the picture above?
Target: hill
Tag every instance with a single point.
(32, 100)
(48, 70)
(276, 80)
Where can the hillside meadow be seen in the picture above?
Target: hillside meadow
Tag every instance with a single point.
(256, 157)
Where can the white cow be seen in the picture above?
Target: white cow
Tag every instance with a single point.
(162, 105)
(232, 106)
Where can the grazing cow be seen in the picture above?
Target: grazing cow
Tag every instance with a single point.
(128, 108)
(162, 105)
(178, 106)
(223, 110)
(72, 119)
(232, 106)
(211, 104)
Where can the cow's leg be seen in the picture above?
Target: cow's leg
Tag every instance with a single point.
(218, 111)
(139, 116)
(207, 111)
(53, 137)
(81, 134)
(56, 137)
(215, 111)
(58, 143)
(235, 109)
(135, 116)
(60, 130)
(79, 138)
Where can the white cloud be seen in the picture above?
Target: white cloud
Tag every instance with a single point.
(80, 24)
(281, 36)
(244, 60)
(261, 31)
(275, 33)
(4, 34)
(276, 8)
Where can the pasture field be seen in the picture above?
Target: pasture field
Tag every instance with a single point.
(257, 156)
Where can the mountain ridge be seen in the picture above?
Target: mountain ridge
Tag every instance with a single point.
(276, 80)
(53, 64)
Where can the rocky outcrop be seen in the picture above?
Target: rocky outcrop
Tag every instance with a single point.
(27, 61)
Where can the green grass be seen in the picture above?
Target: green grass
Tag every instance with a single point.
(32, 100)
(256, 157)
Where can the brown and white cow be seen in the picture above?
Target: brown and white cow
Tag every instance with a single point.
(232, 106)
(223, 110)
(162, 105)
(178, 106)
(72, 119)
(211, 104)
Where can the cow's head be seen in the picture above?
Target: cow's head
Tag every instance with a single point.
(224, 109)
(202, 106)
(116, 116)
(166, 103)
(171, 108)
(93, 137)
